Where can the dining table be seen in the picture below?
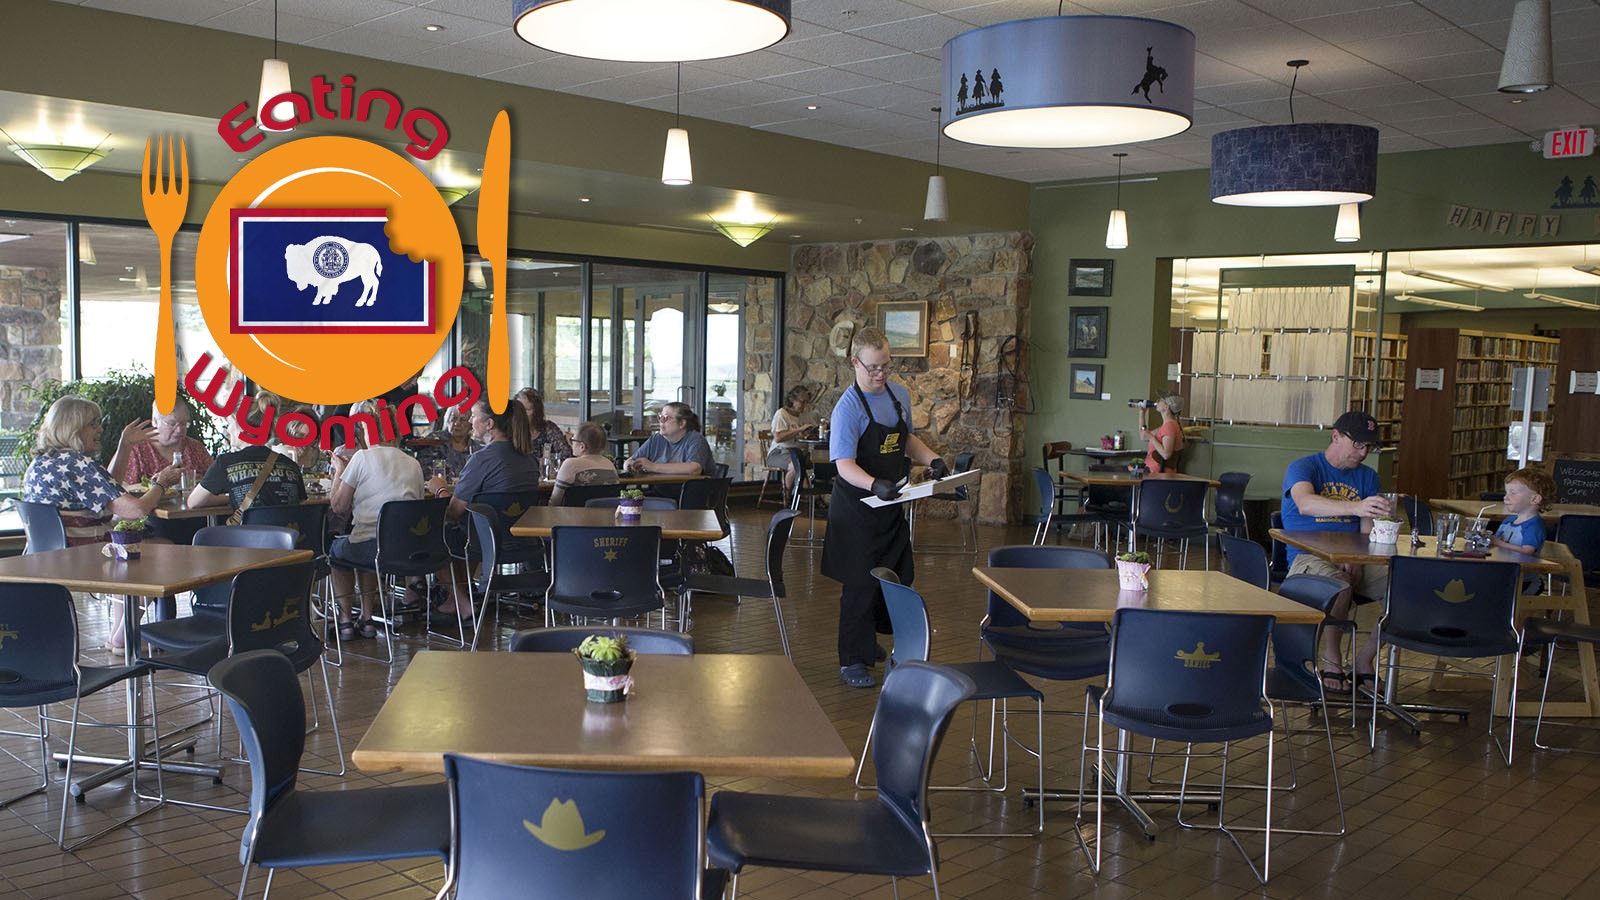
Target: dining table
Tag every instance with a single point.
(1352, 548)
(1496, 512)
(162, 570)
(1132, 481)
(721, 714)
(1095, 595)
(178, 507)
(675, 524)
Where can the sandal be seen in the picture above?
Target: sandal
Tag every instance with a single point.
(1369, 685)
(1335, 682)
(347, 632)
(368, 628)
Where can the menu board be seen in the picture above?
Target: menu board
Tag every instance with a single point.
(1577, 481)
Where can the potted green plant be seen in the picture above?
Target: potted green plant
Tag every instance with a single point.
(1133, 569)
(1385, 529)
(606, 661)
(127, 535)
(631, 503)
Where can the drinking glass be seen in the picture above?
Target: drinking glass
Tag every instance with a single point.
(1449, 525)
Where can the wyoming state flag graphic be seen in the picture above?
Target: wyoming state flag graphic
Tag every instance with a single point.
(310, 271)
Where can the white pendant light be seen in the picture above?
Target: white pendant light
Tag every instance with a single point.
(651, 30)
(1062, 81)
(1347, 228)
(937, 207)
(1117, 227)
(676, 166)
(86, 250)
(1527, 66)
(274, 81)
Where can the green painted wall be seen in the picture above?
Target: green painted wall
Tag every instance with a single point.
(1174, 217)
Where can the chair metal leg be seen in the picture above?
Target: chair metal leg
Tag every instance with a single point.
(134, 727)
(42, 734)
(1538, 723)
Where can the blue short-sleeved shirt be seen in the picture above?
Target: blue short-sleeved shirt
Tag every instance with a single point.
(1329, 481)
(1525, 534)
(692, 447)
(497, 469)
(849, 418)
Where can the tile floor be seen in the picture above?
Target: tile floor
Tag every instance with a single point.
(1432, 816)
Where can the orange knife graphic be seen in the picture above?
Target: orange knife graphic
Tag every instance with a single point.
(493, 214)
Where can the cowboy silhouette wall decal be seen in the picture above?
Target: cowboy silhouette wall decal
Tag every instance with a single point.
(1568, 194)
(979, 93)
(1153, 75)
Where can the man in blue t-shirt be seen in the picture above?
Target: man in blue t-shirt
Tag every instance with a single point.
(1333, 491)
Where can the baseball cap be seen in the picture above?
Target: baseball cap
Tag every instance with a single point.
(1361, 427)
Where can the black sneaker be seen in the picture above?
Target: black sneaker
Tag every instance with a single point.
(857, 676)
(878, 653)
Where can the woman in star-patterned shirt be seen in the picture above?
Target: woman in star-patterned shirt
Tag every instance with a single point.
(66, 474)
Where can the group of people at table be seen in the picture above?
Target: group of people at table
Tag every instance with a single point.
(482, 452)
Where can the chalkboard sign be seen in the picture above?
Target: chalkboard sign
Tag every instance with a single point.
(1577, 481)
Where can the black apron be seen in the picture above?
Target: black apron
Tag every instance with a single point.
(861, 537)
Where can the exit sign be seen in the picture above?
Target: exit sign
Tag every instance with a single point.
(1568, 143)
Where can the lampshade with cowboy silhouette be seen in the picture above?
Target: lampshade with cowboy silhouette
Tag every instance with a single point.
(1069, 81)
(1309, 164)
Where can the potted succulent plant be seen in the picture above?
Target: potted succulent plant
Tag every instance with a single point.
(1133, 570)
(631, 504)
(127, 535)
(606, 660)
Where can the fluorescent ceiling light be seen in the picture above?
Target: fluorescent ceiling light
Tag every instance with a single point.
(1435, 301)
(6, 237)
(1459, 282)
(1589, 269)
(1564, 301)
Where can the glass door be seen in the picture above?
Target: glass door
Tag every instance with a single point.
(639, 343)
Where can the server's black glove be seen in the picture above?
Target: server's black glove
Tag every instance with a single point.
(937, 468)
(884, 489)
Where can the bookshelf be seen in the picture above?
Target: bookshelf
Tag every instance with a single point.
(1455, 437)
(1380, 359)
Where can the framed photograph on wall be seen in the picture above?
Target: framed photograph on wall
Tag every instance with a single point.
(1086, 380)
(1089, 278)
(906, 324)
(1088, 335)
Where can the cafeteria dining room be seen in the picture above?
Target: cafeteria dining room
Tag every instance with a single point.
(1251, 218)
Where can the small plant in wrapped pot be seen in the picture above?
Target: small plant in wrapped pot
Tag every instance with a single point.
(1385, 530)
(606, 661)
(1133, 570)
(631, 503)
(127, 536)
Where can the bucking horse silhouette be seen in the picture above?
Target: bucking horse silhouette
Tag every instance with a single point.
(1153, 75)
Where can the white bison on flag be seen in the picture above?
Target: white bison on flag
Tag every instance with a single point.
(328, 262)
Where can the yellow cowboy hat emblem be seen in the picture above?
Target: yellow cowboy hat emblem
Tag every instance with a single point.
(1454, 592)
(423, 526)
(562, 827)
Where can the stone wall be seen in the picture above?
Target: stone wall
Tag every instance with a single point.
(760, 354)
(30, 338)
(955, 408)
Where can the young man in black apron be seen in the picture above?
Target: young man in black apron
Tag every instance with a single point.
(872, 445)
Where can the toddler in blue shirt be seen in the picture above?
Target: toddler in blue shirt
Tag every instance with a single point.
(1528, 492)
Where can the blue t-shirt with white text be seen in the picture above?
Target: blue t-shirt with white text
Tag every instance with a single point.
(1326, 480)
(1524, 534)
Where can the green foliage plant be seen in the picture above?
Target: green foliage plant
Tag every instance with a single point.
(123, 397)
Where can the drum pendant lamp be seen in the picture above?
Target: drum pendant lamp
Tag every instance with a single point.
(1307, 164)
(651, 30)
(1069, 81)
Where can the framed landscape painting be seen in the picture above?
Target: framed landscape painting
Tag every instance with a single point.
(906, 324)
(1089, 278)
(1086, 379)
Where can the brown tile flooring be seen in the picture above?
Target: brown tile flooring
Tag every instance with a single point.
(1432, 816)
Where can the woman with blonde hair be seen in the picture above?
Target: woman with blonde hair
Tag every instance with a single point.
(589, 466)
(66, 473)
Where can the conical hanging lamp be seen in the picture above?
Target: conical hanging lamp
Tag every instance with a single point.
(1117, 227)
(1347, 228)
(1527, 67)
(676, 166)
(937, 207)
(274, 81)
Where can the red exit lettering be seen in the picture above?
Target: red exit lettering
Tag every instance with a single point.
(1568, 143)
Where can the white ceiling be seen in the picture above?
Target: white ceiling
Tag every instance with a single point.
(1422, 71)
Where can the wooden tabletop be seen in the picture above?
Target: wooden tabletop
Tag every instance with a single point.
(1092, 595)
(1130, 478)
(1344, 547)
(161, 570)
(1497, 511)
(719, 714)
(179, 508)
(676, 524)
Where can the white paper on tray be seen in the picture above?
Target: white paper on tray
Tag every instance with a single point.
(925, 489)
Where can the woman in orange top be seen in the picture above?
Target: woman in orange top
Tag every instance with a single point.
(1167, 439)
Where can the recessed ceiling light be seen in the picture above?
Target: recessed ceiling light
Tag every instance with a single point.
(811, 106)
(433, 26)
(795, 235)
(907, 228)
(1519, 99)
(583, 199)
